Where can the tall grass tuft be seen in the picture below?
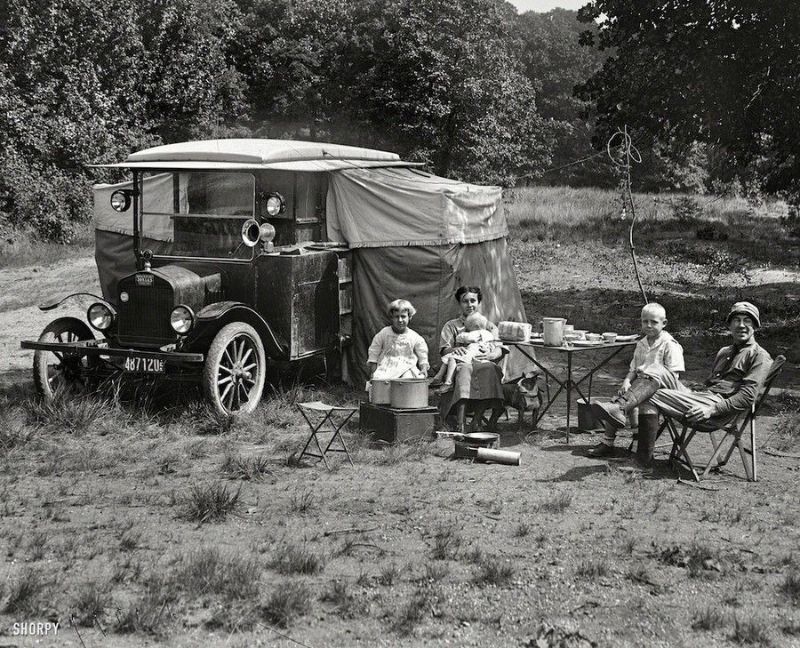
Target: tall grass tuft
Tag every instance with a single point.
(293, 559)
(210, 503)
(710, 618)
(790, 587)
(493, 571)
(286, 603)
(208, 571)
(15, 432)
(27, 593)
(752, 631)
(591, 569)
(786, 433)
(423, 603)
(250, 468)
(90, 603)
(151, 612)
(74, 414)
(446, 541)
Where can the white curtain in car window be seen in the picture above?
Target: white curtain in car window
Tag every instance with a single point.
(158, 205)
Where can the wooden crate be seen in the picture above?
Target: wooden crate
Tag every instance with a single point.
(397, 425)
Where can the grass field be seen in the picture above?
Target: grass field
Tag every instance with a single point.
(141, 519)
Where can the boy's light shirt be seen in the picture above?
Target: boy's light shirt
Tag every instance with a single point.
(664, 350)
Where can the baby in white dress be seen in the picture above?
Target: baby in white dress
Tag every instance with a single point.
(476, 340)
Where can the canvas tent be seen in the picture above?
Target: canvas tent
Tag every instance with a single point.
(413, 235)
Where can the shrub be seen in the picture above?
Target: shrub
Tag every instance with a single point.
(151, 612)
(446, 541)
(89, 604)
(246, 468)
(493, 571)
(26, 594)
(209, 571)
(210, 503)
(286, 603)
(290, 559)
(710, 618)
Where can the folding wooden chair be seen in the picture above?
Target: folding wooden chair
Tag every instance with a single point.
(733, 430)
(317, 414)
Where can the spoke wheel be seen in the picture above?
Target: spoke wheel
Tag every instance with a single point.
(233, 375)
(55, 372)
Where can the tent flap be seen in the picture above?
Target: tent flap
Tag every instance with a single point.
(428, 277)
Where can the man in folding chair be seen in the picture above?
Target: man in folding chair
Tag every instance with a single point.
(731, 388)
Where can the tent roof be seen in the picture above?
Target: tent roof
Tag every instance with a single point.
(247, 154)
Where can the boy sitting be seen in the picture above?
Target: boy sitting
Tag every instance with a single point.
(656, 348)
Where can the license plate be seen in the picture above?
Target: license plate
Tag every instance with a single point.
(143, 365)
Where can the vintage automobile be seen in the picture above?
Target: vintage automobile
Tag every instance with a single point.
(224, 268)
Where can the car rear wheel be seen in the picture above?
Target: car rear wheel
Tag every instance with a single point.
(59, 371)
(234, 371)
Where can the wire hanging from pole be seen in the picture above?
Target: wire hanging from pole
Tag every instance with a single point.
(627, 153)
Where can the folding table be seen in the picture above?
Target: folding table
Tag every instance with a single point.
(569, 383)
(317, 414)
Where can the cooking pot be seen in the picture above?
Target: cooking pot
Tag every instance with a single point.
(379, 392)
(409, 393)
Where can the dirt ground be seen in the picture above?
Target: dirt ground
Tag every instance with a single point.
(408, 547)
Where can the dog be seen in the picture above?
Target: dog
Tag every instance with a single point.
(525, 395)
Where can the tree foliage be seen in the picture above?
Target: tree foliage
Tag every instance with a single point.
(84, 82)
(719, 72)
(435, 80)
(555, 62)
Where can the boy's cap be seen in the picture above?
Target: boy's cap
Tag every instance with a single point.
(745, 308)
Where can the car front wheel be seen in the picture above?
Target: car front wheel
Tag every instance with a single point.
(55, 371)
(234, 371)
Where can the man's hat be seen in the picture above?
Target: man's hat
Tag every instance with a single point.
(745, 308)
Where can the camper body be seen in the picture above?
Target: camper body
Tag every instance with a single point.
(228, 269)
(218, 257)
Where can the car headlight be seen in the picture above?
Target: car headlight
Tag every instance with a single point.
(100, 316)
(120, 200)
(275, 204)
(181, 319)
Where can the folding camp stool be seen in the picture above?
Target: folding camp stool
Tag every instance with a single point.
(325, 419)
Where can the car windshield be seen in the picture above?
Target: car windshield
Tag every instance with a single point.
(200, 213)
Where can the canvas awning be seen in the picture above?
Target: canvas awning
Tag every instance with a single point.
(403, 207)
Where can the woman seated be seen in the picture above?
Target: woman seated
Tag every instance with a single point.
(397, 351)
(478, 382)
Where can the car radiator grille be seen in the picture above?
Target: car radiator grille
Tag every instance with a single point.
(144, 318)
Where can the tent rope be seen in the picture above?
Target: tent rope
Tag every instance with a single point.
(627, 153)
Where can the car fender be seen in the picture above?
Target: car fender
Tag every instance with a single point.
(213, 317)
(53, 304)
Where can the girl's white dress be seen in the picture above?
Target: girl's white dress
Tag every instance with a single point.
(398, 354)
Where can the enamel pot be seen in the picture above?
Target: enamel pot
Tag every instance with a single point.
(409, 393)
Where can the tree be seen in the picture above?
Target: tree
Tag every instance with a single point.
(435, 80)
(444, 85)
(194, 89)
(720, 72)
(556, 63)
(69, 97)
